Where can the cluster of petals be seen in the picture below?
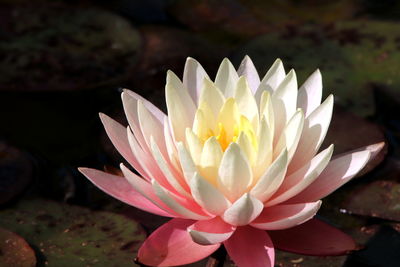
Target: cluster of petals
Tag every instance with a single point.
(237, 161)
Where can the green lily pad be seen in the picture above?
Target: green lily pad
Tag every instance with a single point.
(15, 251)
(352, 56)
(64, 47)
(377, 199)
(72, 236)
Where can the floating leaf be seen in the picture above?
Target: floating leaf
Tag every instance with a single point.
(352, 56)
(15, 251)
(377, 199)
(72, 236)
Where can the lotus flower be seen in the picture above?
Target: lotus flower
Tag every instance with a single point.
(235, 162)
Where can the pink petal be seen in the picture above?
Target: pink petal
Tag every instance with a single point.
(338, 172)
(313, 238)
(152, 108)
(250, 247)
(209, 232)
(145, 189)
(120, 188)
(171, 245)
(285, 216)
(118, 136)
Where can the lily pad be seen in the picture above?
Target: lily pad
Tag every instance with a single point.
(72, 236)
(363, 133)
(15, 251)
(377, 199)
(352, 56)
(63, 47)
(16, 172)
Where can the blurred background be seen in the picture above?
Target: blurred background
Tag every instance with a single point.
(62, 62)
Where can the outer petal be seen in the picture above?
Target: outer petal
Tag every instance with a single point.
(193, 77)
(250, 247)
(118, 136)
(174, 178)
(150, 106)
(285, 216)
(270, 181)
(248, 70)
(313, 238)
(226, 78)
(310, 93)
(235, 175)
(243, 211)
(284, 102)
(211, 232)
(338, 172)
(119, 188)
(315, 128)
(207, 196)
(298, 181)
(130, 107)
(181, 108)
(151, 127)
(167, 198)
(171, 245)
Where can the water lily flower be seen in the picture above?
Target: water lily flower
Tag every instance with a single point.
(236, 162)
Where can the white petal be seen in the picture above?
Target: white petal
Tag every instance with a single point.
(284, 101)
(299, 180)
(235, 174)
(193, 77)
(246, 102)
(290, 135)
(207, 196)
(243, 211)
(174, 178)
(245, 144)
(170, 144)
(168, 200)
(310, 93)
(286, 216)
(194, 145)
(226, 78)
(273, 177)
(210, 160)
(248, 70)
(150, 126)
(264, 156)
(181, 108)
(272, 79)
(187, 163)
(211, 95)
(315, 128)
(338, 172)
